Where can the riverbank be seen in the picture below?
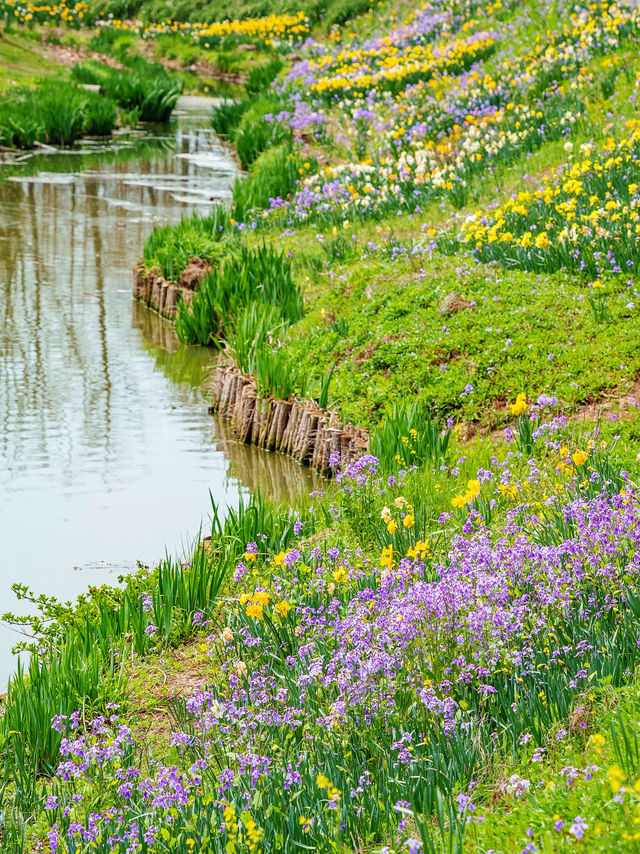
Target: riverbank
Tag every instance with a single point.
(436, 649)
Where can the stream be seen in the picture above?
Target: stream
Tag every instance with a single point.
(107, 453)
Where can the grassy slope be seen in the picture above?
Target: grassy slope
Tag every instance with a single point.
(21, 63)
(392, 338)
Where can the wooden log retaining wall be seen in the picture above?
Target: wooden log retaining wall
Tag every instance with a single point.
(159, 294)
(298, 428)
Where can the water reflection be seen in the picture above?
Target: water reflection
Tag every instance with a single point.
(273, 473)
(107, 452)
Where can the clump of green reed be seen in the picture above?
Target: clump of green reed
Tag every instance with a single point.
(273, 176)
(276, 374)
(54, 113)
(245, 124)
(259, 276)
(142, 85)
(254, 137)
(170, 247)
(226, 116)
(112, 41)
(408, 436)
(262, 76)
(252, 348)
(254, 327)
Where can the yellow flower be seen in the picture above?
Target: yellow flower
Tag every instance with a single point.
(459, 500)
(473, 487)
(392, 526)
(505, 489)
(616, 777)
(597, 740)
(580, 457)
(386, 558)
(254, 610)
(340, 574)
(409, 521)
(250, 556)
(305, 823)
(419, 550)
(282, 608)
(520, 405)
(279, 558)
(322, 781)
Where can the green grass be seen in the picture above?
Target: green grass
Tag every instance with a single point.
(390, 336)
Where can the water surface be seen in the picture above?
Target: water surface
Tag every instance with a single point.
(107, 453)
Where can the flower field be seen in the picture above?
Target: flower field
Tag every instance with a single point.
(437, 238)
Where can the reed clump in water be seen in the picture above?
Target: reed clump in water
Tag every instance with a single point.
(53, 113)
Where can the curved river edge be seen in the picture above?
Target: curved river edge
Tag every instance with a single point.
(311, 435)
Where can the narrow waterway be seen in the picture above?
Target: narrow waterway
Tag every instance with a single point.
(107, 453)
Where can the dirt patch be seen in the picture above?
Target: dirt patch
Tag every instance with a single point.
(621, 406)
(70, 56)
(366, 354)
(454, 302)
(193, 274)
(157, 681)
